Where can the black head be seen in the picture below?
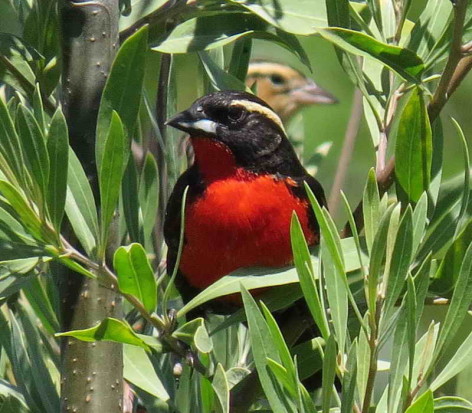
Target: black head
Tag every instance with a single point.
(240, 120)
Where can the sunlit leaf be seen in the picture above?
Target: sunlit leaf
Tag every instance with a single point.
(405, 62)
(135, 275)
(139, 371)
(110, 329)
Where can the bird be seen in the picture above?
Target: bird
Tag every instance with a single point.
(244, 185)
(284, 88)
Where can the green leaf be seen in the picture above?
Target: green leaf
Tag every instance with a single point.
(376, 258)
(34, 147)
(58, 150)
(424, 404)
(349, 381)
(130, 202)
(139, 371)
(466, 188)
(111, 172)
(300, 17)
(401, 260)
(448, 272)
(28, 217)
(240, 56)
(399, 359)
(461, 359)
(413, 149)
(10, 143)
(337, 295)
(370, 208)
(39, 369)
(262, 349)
(80, 205)
(110, 329)
(219, 78)
(202, 340)
(403, 61)
(209, 32)
(329, 372)
(308, 357)
(452, 405)
(122, 92)
(135, 275)
(148, 194)
(194, 333)
(281, 345)
(302, 260)
(419, 221)
(221, 387)
(460, 302)
(430, 28)
(338, 13)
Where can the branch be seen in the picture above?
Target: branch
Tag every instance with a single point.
(350, 136)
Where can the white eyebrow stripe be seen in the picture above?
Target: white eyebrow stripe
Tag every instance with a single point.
(257, 107)
(205, 125)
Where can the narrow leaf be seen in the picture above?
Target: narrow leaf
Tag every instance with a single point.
(110, 175)
(413, 149)
(58, 150)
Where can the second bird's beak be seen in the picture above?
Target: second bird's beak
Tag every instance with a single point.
(311, 93)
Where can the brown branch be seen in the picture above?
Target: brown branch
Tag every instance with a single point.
(350, 136)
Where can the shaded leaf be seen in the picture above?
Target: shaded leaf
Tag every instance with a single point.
(306, 274)
(413, 149)
(122, 92)
(110, 174)
(262, 349)
(58, 151)
(80, 205)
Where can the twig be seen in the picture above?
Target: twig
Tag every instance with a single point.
(455, 55)
(462, 69)
(350, 136)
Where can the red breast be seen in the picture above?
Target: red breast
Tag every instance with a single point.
(241, 220)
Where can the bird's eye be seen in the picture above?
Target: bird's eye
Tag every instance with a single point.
(277, 80)
(235, 114)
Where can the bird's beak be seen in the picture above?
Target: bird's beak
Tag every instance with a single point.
(193, 123)
(311, 93)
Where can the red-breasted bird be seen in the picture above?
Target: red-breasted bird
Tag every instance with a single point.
(243, 187)
(284, 88)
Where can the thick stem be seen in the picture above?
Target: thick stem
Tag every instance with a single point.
(91, 373)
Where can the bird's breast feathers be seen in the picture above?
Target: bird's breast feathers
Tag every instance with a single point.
(240, 221)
